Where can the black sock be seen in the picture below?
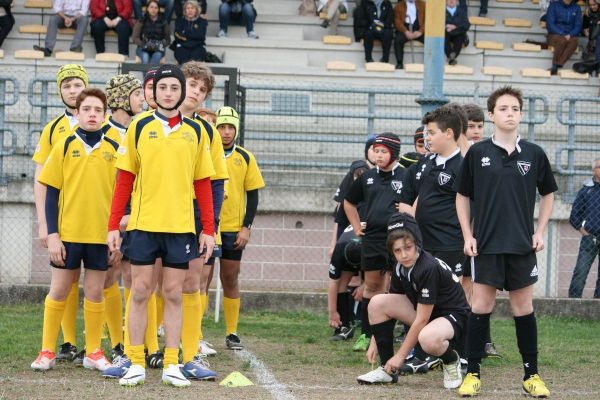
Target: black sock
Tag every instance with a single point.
(419, 352)
(343, 308)
(478, 328)
(384, 337)
(526, 329)
(450, 356)
(365, 326)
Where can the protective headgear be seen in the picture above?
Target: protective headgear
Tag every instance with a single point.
(410, 158)
(392, 142)
(352, 252)
(419, 133)
(169, 71)
(227, 115)
(118, 90)
(70, 71)
(405, 221)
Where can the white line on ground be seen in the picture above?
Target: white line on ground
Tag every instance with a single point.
(265, 377)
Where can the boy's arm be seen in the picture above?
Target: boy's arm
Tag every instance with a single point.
(56, 249)
(39, 196)
(545, 211)
(353, 217)
(463, 211)
(411, 339)
(332, 292)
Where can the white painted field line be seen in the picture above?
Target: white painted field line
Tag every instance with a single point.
(265, 377)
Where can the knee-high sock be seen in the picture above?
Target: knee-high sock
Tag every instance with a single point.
(93, 318)
(160, 309)
(365, 325)
(69, 318)
(126, 342)
(526, 328)
(53, 314)
(151, 338)
(191, 307)
(203, 305)
(114, 314)
(343, 308)
(136, 355)
(231, 309)
(126, 293)
(478, 327)
(384, 337)
(171, 356)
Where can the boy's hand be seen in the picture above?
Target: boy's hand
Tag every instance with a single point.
(112, 240)
(124, 222)
(56, 250)
(357, 294)
(43, 234)
(207, 241)
(241, 239)
(334, 319)
(393, 365)
(538, 242)
(470, 248)
(372, 352)
(114, 257)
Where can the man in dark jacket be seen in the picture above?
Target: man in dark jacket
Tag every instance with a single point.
(7, 21)
(374, 19)
(563, 21)
(585, 217)
(409, 21)
(457, 25)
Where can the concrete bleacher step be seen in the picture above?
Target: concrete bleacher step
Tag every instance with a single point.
(379, 67)
(457, 70)
(69, 56)
(488, 45)
(517, 23)
(29, 54)
(38, 4)
(110, 57)
(337, 39)
(481, 21)
(527, 47)
(496, 71)
(340, 66)
(535, 73)
(570, 74)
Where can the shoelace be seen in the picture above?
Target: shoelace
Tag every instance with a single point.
(119, 361)
(202, 360)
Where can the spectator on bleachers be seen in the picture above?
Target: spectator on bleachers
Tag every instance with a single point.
(374, 19)
(67, 14)
(111, 14)
(544, 4)
(409, 21)
(457, 26)
(563, 21)
(483, 6)
(334, 9)
(591, 30)
(7, 21)
(190, 32)
(152, 35)
(138, 11)
(239, 12)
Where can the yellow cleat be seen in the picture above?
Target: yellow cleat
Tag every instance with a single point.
(470, 386)
(535, 387)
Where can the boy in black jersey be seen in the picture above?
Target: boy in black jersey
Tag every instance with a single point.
(425, 294)
(380, 189)
(501, 176)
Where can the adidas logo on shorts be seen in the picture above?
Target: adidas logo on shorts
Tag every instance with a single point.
(534, 271)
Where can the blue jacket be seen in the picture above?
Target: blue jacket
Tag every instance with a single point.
(190, 33)
(562, 19)
(586, 209)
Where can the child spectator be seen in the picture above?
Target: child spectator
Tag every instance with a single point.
(7, 21)
(502, 241)
(190, 33)
(67, 14)
(563, 22)
(457, 25)
(409, 21)
(240, 12)
(591, 30)
(374, 19)
(380, 189)
(167, 5)
(151, 35)
(116, 15)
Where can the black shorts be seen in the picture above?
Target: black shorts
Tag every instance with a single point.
(93, 256)
(505, 271)
(175, 249)
(467, 266)
(374, 255)
(228, 251)
(458, 320)
(454, 259)
(125, 246)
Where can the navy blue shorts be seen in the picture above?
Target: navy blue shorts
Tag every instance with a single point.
(228, 251)
(175, 249)
(93, 256)
(125, 245)
(198, 223)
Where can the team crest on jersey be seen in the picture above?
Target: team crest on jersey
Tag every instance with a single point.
(443, 178)
(237, 162)
(108, 156)
(397, 186)
(485, 161)
(153, 135)
(332, 269)
(187, 136)
(61, 129)
(425, 292)
(75, 153)
(418, 174)
(524, 167)
(369, 181)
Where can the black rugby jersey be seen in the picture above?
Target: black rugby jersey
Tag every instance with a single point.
(503, 190)
(339, 258)
(380, 192)
(430, 281)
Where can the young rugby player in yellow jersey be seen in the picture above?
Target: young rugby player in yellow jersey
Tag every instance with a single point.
(237, 216)
(199, 83)
(165, 155)
(80, 173)
(125, 99)
(71, 79)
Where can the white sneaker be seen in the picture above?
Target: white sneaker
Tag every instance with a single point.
(96, 360)
(222, 33)
(136, 375)
(452, 374)
(172, 376)
(206, 348)
(377, 376)
(252, 35)
(45, 360)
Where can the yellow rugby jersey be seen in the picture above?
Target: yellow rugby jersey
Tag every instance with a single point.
(59, 128)
(244, 176)
(85, 177)
(115, 131)
(217, 154)
(166, 162)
